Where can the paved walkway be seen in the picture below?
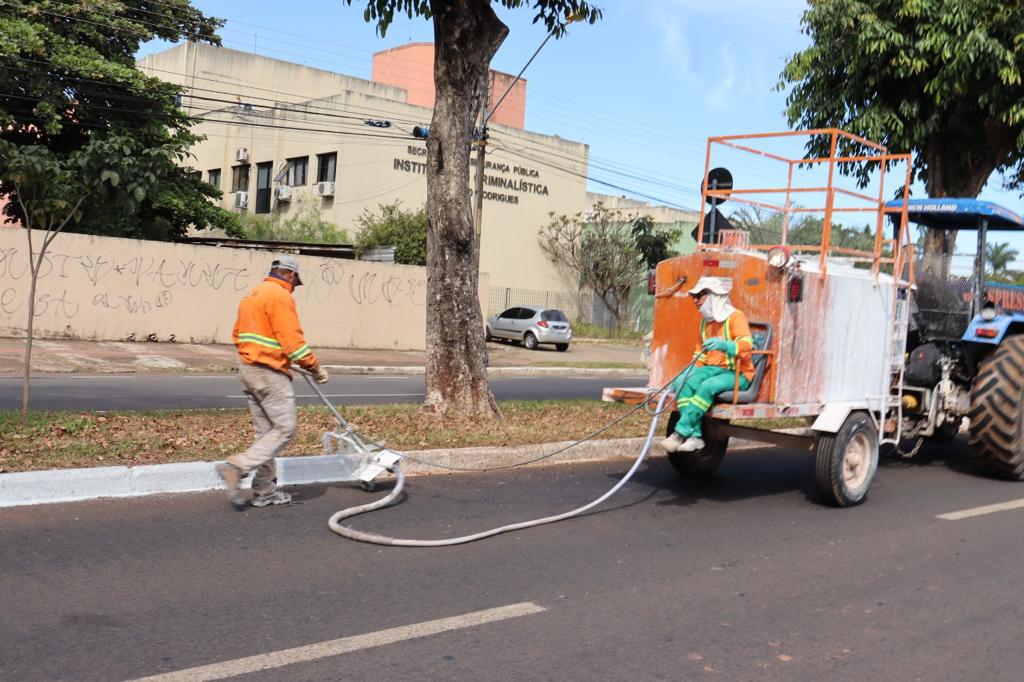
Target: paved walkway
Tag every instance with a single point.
(49, 355)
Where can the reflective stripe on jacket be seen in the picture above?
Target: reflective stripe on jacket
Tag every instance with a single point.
(267, 331)
(735, 328)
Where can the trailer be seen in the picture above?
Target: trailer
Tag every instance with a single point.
(829, 322)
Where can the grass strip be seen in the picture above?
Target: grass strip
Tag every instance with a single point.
(51, 440)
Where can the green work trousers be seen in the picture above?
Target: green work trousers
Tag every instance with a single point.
(696, 390)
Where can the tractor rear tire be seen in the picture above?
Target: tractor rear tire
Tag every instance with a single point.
(997, 412)
(700, 463)
(845, 462)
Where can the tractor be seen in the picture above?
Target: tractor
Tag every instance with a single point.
(855, 347)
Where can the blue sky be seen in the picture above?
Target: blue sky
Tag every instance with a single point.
(644, 87)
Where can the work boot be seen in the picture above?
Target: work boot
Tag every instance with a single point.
(232, 476)
(276, 497)
(672, 443)
(691, 444)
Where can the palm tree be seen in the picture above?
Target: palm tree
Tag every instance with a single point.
(999, 257)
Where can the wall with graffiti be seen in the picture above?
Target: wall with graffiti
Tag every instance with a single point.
(124, 289)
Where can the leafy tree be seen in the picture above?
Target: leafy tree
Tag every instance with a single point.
(67, 74)
(939, 78)
(467, 33)
(654, 242)
(601, 250)
(305, 223)
(51, 192)
(394, 226)
(765, 227)
(999, 257)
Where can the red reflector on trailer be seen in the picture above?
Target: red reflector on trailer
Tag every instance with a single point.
(710, 263)
(986, 332)
(795, 289)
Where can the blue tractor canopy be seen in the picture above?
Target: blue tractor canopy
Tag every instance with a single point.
(959, 214)
(949, 303)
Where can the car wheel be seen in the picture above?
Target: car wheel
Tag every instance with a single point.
(530, 341)
(562, 347)
(487, 334)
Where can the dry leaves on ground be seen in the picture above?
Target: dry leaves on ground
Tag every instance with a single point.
(59, 440)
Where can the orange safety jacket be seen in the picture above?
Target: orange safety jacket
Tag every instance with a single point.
(736, 329)
(267, 331)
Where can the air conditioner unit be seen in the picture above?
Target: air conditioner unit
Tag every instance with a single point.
(325, 189)
(241, 154)
(241, 199)
(284, 193)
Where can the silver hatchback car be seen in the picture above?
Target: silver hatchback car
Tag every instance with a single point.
(531, 325)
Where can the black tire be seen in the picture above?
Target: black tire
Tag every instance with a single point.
(845, 462)
(997, 412)
(487, 334)
(561, 347)
(530, 341)
(700, 463)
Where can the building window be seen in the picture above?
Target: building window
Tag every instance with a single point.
(325, 167)
(196, 175)
(240, 178)
(213, 177)
(297, 170)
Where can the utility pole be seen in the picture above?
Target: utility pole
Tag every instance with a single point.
(481, 155)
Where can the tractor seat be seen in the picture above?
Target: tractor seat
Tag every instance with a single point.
(762, 333)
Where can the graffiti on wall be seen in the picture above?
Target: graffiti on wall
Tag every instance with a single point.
(98, 287)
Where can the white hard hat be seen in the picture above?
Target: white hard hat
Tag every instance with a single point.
(716, 285)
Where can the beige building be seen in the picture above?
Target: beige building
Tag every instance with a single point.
(282, 136)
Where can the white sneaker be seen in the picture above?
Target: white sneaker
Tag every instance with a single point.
(691, 444)
(672, 443)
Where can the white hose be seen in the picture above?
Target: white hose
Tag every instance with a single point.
(335, 521)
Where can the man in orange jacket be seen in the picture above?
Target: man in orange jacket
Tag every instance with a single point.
(269, 339)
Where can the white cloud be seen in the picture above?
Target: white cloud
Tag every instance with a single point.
(722, 79)
(676, 47)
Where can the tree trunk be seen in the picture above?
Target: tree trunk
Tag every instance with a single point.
(34, 268)
(949, 177)
(467, 33)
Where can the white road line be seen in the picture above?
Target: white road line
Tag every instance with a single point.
(981, 511)
(349, 395)
(334, 647)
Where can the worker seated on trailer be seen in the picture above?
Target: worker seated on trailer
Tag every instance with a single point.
(725, 342)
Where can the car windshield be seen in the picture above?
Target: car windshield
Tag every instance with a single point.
(553, 316)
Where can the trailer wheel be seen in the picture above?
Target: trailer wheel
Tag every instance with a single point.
(997, 411)
(701, 463)
(846, 461)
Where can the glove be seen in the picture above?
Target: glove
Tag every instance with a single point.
(720, 344)
(320, 375)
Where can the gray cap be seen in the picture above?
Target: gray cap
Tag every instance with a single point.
(287, 263)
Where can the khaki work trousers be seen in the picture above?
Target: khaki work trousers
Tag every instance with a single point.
(272, 404)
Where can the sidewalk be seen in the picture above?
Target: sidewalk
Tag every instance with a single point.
(49, 355)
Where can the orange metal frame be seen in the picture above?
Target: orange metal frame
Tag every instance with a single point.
(902, 249)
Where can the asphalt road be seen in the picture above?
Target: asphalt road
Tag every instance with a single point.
(741, 577)
(170, 391)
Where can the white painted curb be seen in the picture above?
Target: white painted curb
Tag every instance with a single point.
(74, 485)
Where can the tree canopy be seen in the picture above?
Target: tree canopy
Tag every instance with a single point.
(68, 77)
(939, 78)
(605, 251)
